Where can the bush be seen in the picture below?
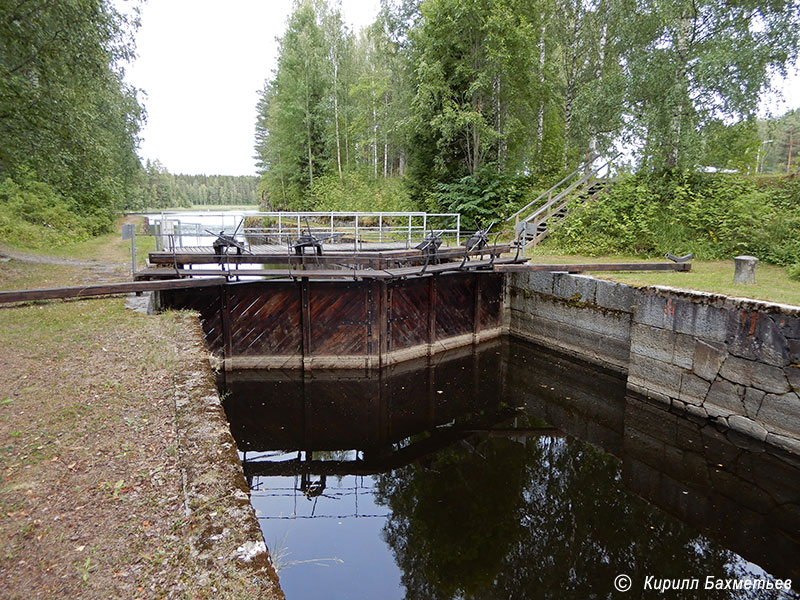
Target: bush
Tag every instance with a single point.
(794, 271)
(715, 216)
(481, 198)
(358, 192)
(34, 215)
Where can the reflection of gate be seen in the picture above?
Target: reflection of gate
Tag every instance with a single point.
(343, 324)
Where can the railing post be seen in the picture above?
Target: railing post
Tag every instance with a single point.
(380, 227)
(356, 234)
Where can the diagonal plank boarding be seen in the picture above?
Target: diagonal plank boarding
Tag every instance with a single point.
(314, 324)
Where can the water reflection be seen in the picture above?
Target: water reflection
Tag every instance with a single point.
(432, 483)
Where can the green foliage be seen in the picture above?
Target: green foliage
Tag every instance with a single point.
(34, 215)
(454, 89)
(692, 63)
(781, 137)
(732, 147)
(65, 112)
(159, 188)
(794, 271)
(714, 216)
(482, 198)
(359, 192)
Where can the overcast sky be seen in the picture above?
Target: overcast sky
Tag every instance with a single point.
(201, 64)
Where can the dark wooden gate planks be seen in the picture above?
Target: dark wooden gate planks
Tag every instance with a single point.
(343, 324)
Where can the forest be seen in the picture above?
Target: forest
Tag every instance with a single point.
(492, 97)
(161, 189)
(69, 123)
(470, 106)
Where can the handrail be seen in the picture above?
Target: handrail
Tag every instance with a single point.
(550, 191)
(542, 195)
(567, 191)
(561, 194)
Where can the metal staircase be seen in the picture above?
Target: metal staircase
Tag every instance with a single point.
(553, 205)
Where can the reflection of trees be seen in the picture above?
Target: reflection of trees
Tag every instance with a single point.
(549, 518)
(455, 518)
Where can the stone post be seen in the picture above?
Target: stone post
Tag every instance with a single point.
(745, 270)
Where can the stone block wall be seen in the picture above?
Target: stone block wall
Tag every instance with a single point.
(730, 360)
(727, 359)
(578, 315)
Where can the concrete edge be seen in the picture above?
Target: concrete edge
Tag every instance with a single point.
(225, 535)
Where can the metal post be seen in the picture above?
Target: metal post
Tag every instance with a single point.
(129, 231)
(298, 224)
(331, 226)
(424, 224)
(280, 229)
(458, 229)
(356, 235)
(408, 234)
(380, 227)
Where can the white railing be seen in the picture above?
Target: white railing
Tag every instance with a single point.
(176, 229)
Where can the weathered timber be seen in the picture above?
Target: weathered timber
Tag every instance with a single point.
(278, 255)
(107, 289)
(581, 268)
(323, 324)
(344, 273)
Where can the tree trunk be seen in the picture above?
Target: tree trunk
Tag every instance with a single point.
(598, 77)
(308, 141)
(672, 158)
(336, 116)
(540, 126)
(385, 136)
(502, 144)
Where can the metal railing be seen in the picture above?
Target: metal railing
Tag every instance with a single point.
(180, 229)
(553, 195)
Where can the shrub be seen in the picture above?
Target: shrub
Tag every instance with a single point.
(715, 216)
(34, 215)
(357, 192)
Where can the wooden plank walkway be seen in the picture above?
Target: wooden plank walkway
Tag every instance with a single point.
(165, 279)
(332, 254)
(368, 273)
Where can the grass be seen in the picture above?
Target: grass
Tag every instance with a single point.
(86, 413)
(17, 275)
(109, 247)
(773, 283)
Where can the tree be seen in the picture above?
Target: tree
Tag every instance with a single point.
(66, 115)
(691, 62)
(291, 141)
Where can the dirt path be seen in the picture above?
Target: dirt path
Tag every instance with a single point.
(118, 474)
(56, 260)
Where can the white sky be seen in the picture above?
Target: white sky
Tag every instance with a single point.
(201, 64)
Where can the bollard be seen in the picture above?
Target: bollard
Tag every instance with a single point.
(745, 270)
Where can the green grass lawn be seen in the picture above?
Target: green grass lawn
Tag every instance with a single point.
(108, 248)
(772, 283)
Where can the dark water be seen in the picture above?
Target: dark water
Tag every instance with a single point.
(505, 472)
